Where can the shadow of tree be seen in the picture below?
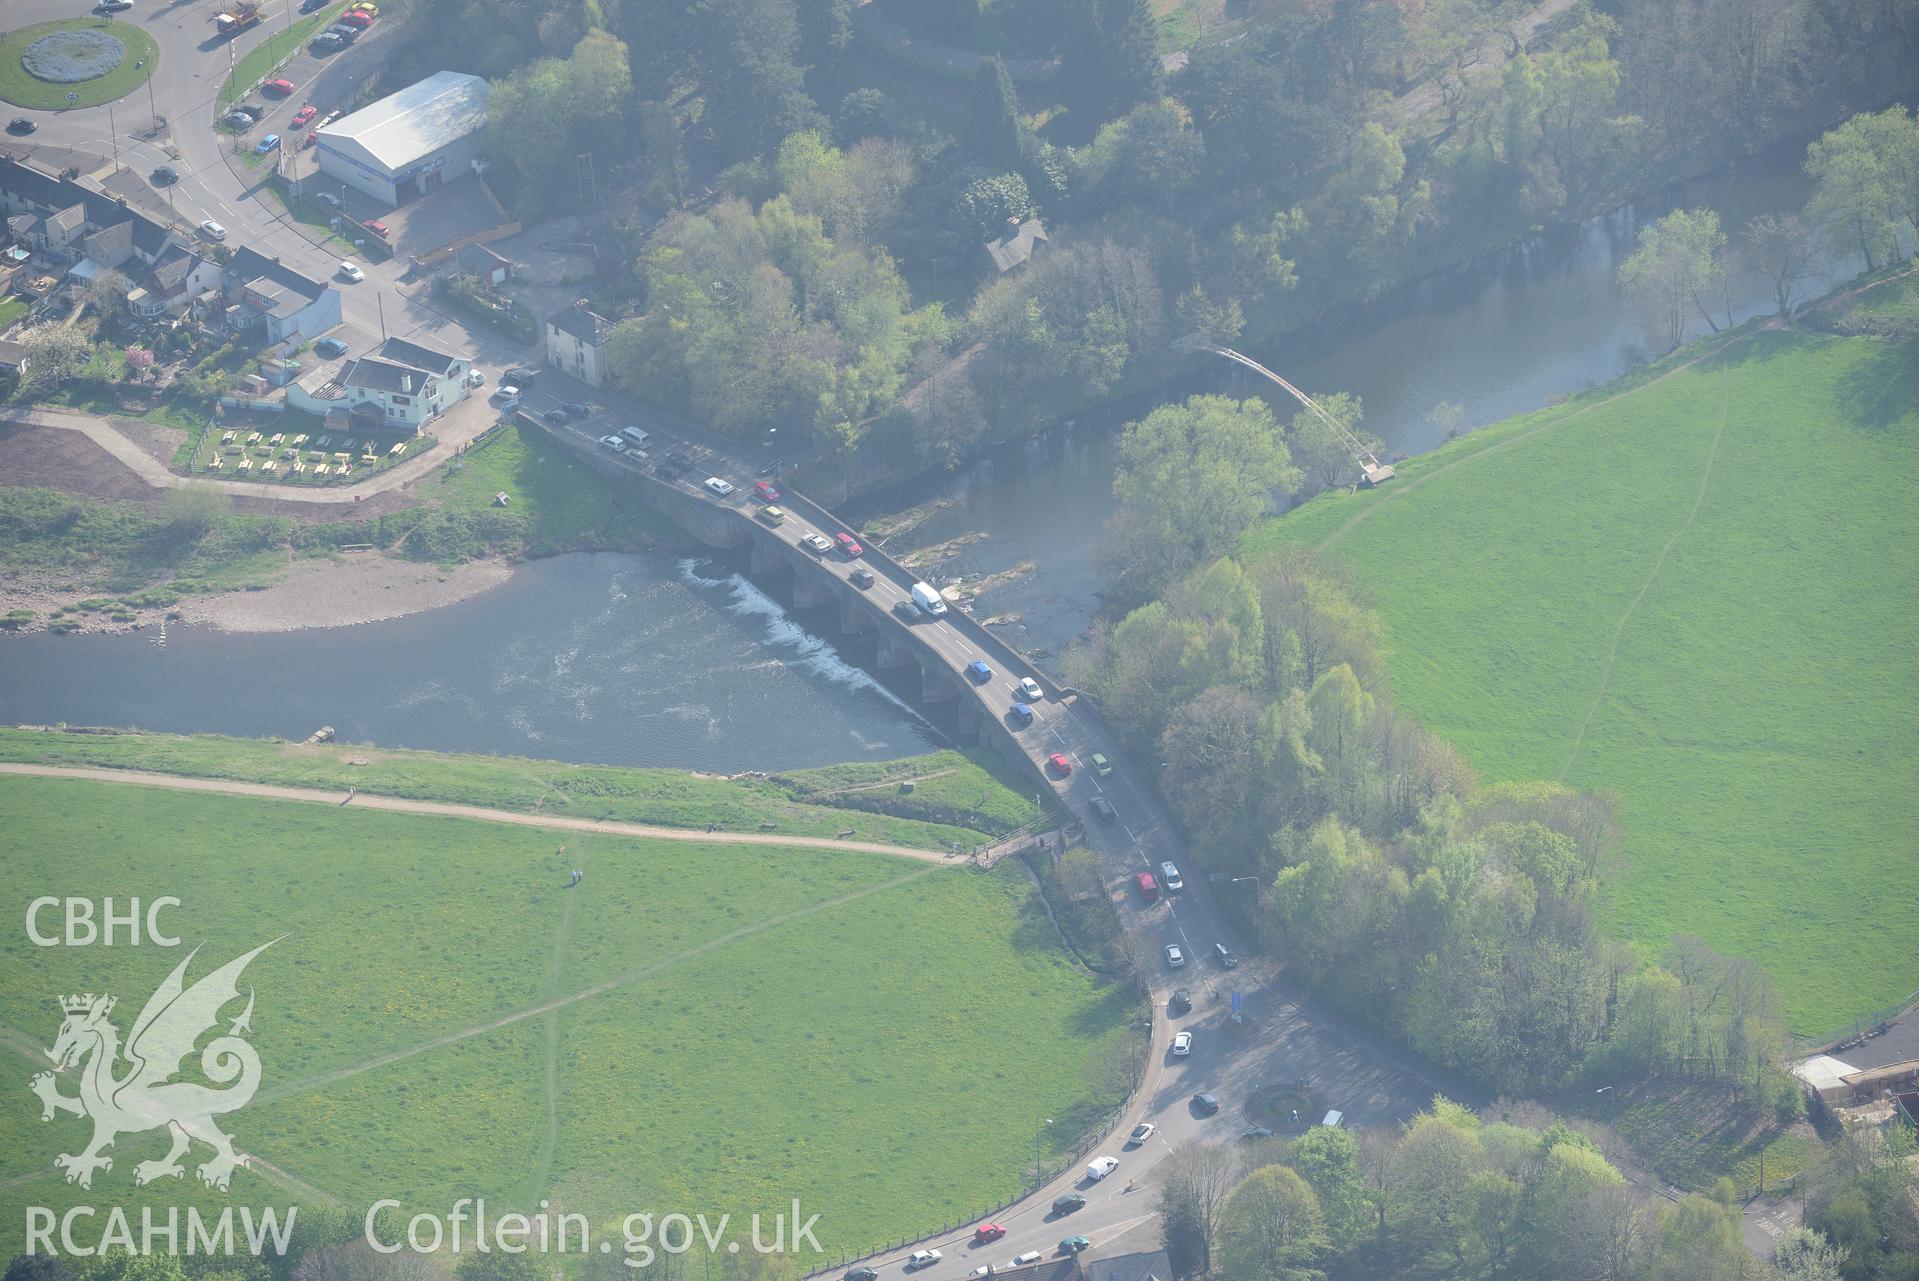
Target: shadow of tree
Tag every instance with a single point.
(1885, 392)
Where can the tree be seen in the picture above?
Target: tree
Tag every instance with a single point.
(1193, 477)
(1447, 415)
(995, 134)
(54, 353)
(826, 29)
(1854, 199)
(1804, 1255)
(192, 510)
(107, 294)
(1194, 1184)
(1320, 446)
(863, 113)
(139, 361)
(748, 55)
(1328, 1159)
(1783, 249)
(1271, 1228)
(1678, 267)
(1128, 45)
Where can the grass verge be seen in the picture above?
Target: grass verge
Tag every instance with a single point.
(269, 53)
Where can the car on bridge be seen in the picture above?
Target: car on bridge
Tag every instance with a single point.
(849, 546)
(906, 611)
(1058, 763)
(861, 577)
(988, 1232)
(714, 485)
(764, 491)
(771, 515)
(978, 672)
(1029, 690)
(1021, 715)
(817, 544)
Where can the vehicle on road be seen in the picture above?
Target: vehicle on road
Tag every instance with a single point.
(1148, 887)
(862, 1274)
(929, 601)
(304, 114)
(1060, 766)
(861, 577)
(1021, 715)
(505, 391)
(988, 1232)
(1024, 1260)
(213, 230)
(817, 544)
(558, 417)
(771, 515)
(717, 487)
(1170, 874)
(978, 672)
(475, 378)
(1226, 959)
(20, 124)
(764, 491)
(349, 271)
(983, 1270)
(1099, 1167)
(1182, 1045)
(113, 6)
(906, 610)
(849, 546)
(278, 88)
(1102, 809)
(1067, 1204)
(520, 376)
(165, 176)
(1102, 767)
(923, 1259)
(1181, 1002)
(506, 399)
(579, 408)
(308, 6)
(375, 226)
(1141, 1132)
(1174, 957)
(1074, 1245)
(1205, 1104)
(1029, 690)
(614, 443)
(642, 438)
(237, 18)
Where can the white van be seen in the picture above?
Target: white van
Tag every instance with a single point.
(641, 439)
(929, 601)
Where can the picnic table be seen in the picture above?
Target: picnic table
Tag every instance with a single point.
(323, 470)
(341, 457)
(301, 439)
(227, 438)
(399, 447)
(253, 438)
(246, 464)
(215, 464)
(276, 438)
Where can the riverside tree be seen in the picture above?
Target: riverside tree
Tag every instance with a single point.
(1679, 268)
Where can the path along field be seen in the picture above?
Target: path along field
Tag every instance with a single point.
(1691, 589)
(717, 1027)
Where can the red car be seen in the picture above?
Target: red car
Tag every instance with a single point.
(764, 491)
(313, 136)
(357, 19)
(1058, 763)
(304, 114)
(849, 546)
(375, 226)
(278, 88)
(987, 1232)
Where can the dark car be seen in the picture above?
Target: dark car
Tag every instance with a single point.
(344, 33)
(1181, 1003)
(862, 577)
(558, 417)
(862, 1274)
(521, 378)
(327, 42)
(308, 6)
(20, 124)
(252, 111)
(1067, 1204)
(578, 409)
(1205, 1104)
(1257, 1132)
(1102, 809)
(330, 347)
(907, 610)
(165, 176)
(1021, 715)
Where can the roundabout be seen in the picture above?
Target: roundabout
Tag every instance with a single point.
(74, 62)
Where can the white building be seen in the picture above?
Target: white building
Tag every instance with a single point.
(576, 343)
(409, 142)
(400, 386)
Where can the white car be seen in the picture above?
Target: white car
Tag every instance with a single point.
(1141, 1132)
(920, 1258)
(983, 1270)
(1182, 1045)
(1174, 957)
(817, 544)
(1099, 1167)
(1029, 690)
(213, 230)
(1025, 1260)
(613, 443)
(717, 487)
(474, 378)
(350, 272)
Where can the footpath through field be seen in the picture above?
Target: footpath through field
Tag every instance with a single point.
(447, 809)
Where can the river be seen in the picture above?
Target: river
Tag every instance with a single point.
(660, 660)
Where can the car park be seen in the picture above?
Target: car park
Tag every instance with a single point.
(1205, 1104)
(1099, 1167)
(613, 443)
(923, 1259)
(1074, 1245)
(1024, 1260)
(1174, 957)
(1170, 874)
(1058, 763)
(213, 230)
(1102, 809)
(978, 672)
(1141, 1132)
(988, 1232)
(349, 271)
(1068, 1203)
(1029, 690)
(1102, 767)
(771, 515)
(817, 544)
(1182, 1045)
(165, 176)
(849, 546)
(717, 487)
(861, 577)
(1227, 961)
(278, 88)
(21, 124)
(1181, 1002)
(764, 491)
(304, 114)
(375, 226)
(1021, 715)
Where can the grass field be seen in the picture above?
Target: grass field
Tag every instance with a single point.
(694, 1027)
(23, 89)
(961, 800)
(1693, 596)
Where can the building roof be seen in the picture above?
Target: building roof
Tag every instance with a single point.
(12, 354)
(1147, 1265)
(374, 374)
(66, 205)
(1017, 247)
(262, 275)
(110, 246)
(407, 126)
(171, 272)
(477, 258)
(68, 220)
(582, 324)
(401, 352)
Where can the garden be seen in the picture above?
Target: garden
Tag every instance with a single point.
(74, 62)
(294, 448)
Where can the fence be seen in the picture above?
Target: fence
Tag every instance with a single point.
(1859, 1029)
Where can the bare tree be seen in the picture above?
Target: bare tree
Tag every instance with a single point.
(1783, 249)
(1608, 1237)
(1199, 1177)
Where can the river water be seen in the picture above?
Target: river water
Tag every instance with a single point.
(660, 660)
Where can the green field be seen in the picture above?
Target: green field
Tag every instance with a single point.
(1690, 590)
(695, 1027)
(22, 88)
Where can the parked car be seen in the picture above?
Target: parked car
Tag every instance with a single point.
(1182, 1044)
(978, 672)
(350, 272)
(717, 487)
(1148, 887)
(278, 88)
(507, 399)
(988, 1232)
(1256, 1132)
(113, 6)
(1226, 959)
(764, 491)
(1068, 1203)
(861, 577)
(1175, 959)
(304, 114)
(1333, 1119)
(475, 378)
(817, 544)
(1102, 809)
(1058, 763)
(375, 226)
(862, 1274)
(849, 546)
(313, 136)
(343, 33)
(20, 124)
(327, 198)
(1026, 1259)
(327, 42)
(213, 230)
(1181, 1002)
(983, 1270)
(1074, 1245)
(237, 119)
(1141, 1132)
(165, 176)
(1099, 1167)
(614, 443)
(521, 377)
(366, 6)
(1169, 873)
(923, 1259)
(333, 348)
(355, 18)
(1205, 1104)
(1029, 689)
(1102, 767)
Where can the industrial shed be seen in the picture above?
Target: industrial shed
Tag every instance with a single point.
(408, 143)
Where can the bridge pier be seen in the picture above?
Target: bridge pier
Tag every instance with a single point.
(937, 684)
(855, 619)
(810, 590)
(767, 557)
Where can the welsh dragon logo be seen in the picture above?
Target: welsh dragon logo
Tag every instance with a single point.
(144, 1096)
